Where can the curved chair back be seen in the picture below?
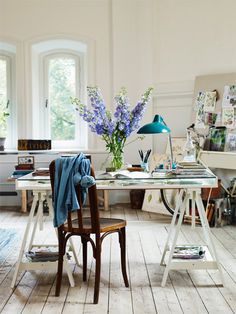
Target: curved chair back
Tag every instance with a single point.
(76, 219)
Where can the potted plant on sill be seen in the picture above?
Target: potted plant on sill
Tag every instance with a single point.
(4, 114)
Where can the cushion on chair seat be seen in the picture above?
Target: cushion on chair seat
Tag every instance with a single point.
(106, 224)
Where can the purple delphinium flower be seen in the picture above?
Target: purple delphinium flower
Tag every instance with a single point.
(113, 130)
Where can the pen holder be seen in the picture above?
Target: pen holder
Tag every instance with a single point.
(145, 166)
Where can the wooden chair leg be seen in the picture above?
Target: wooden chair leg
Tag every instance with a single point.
(84, 246)
(97, 270)
(122, 240)
(61, 246)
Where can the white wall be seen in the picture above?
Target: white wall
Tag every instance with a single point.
(132, 43)
(118, 33)
(190, 38)
(194, 38)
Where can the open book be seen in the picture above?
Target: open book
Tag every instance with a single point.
(123, 174)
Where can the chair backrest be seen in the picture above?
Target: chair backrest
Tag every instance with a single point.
(93, 206)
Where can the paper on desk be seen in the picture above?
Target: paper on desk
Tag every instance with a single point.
(123, 174)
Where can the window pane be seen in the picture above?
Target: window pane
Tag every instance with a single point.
(61, 88)
(3, 95)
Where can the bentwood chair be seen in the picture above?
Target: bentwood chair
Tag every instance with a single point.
(85, 227)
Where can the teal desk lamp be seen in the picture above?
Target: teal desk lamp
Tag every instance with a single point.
(158, 126)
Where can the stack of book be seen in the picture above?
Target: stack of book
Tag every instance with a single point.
(22, 170)
(210, 213)
(24, 167)
(42, 256)
(188, 219)
(189, 252)
(190, 165)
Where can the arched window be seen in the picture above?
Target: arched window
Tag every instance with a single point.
(7, 94)
(59, 75)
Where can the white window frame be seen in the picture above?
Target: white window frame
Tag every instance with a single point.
(41, 51)
(9, 57)
(46, 108)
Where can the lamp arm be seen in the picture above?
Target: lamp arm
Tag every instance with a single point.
(171, 152)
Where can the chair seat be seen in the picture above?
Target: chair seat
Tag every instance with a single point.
(106, 224)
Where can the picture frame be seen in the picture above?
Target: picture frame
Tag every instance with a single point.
(178, 144)
(153, 203)
(230, 145)
(217, 138)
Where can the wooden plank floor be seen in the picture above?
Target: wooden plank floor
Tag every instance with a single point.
(185, 292)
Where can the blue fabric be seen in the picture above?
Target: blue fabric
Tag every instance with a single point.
(69, 172)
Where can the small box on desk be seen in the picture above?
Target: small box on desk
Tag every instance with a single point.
(24, 144)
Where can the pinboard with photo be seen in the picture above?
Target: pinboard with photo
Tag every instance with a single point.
(214, 110)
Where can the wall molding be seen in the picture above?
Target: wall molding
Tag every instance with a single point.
(173, 94)
(174, 89)
(160, 106)
(186, 94)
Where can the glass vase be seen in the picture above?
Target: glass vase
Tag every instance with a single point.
(115, 156)
(117, 161)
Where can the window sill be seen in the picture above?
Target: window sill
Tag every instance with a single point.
(51, 151)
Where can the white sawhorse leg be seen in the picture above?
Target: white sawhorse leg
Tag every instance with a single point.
(207, 232)
(195, 196)
(23, 244)
(172, 225)
(176, 233)
(39, 196)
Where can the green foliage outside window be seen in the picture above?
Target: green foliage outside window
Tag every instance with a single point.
(3, 98)
(61, 88)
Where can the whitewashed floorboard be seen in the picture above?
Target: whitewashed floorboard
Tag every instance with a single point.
(203, 280)
(142, 295)
(185, 292)
(120, 300)
(165, 299)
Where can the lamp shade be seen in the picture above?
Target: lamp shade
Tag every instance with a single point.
(157, 126)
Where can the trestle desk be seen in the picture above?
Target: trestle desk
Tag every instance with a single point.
(189, 187)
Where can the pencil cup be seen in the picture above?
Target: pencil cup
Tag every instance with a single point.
(145, 167)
